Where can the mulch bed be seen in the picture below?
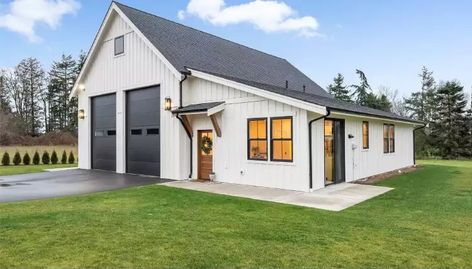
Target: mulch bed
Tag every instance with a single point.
(381, 177)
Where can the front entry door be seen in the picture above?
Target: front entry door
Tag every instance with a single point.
(334, 151)
(205, 154)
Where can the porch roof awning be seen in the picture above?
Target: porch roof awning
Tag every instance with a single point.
(200, 108)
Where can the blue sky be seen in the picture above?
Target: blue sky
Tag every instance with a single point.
(389, 40)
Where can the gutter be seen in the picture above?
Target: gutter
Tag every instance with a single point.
(414, 141)
(310, 165)
(183, 125)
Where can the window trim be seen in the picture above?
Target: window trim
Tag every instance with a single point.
(368, 135)
(257, 139)
(114, 45)
(389, 149)
(281, 139)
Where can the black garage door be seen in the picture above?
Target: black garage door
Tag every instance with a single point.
(143, 131)
(104, 132)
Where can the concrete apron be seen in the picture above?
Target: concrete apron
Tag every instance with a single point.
(333, 198)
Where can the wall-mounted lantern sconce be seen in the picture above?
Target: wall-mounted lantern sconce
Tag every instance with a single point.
(82, 87)
(81, 114)
(350, 136)
(167, 104)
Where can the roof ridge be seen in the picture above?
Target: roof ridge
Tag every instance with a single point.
(203, 32)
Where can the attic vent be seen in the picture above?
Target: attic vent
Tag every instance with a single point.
(119, 45)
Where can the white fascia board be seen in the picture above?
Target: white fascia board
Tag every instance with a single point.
(379, 118)
(259, 92)
(216, 109)
(98, 38)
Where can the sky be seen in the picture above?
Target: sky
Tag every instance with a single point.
(389, 40)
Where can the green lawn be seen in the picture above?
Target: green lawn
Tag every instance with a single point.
(25, 169)
(426, 221)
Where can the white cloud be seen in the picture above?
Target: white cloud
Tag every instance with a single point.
(24, 15)
(267, 15)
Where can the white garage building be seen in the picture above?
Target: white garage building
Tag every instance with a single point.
(159, 98)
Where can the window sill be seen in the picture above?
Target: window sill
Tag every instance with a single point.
(119, 55)
(270, 163)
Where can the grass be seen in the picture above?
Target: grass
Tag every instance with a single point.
(31, 149)
(425, 222)
(25, 169)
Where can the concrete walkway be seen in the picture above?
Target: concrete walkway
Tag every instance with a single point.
(333, 198)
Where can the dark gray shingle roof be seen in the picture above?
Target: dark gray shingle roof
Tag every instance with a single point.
(329, 102)
(197, 107)
(187, 47)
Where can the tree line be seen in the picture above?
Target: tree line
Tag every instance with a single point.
(33, 101)
(443, 107)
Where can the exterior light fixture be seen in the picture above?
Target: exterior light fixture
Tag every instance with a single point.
(82, 87)
(167, 103)
(81, 114)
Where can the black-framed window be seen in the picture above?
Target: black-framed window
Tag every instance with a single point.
(119, 45)
(365, 134)
(389, 138)
(257, 139)
(281, 138)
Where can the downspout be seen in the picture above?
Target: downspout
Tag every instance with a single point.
(310, 157)
(182, 122)
(414, 141)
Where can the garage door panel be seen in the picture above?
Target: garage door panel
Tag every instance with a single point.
(104, 132)
(143, 131)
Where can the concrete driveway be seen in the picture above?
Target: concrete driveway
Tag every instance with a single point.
(67, 182)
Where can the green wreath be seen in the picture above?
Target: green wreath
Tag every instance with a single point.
(207, 145)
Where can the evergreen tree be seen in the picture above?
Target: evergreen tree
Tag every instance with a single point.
(26, 159)
(31, 77)
(6, 159)
(16, 158)
(45, 158)
(36, 158)
(468, 131)
(54, 159)
(449, 119)
(338, 89)
(379, 101)
(62, 111)
(64, 157)
(71, 158)
(422, 106)
(362, 91)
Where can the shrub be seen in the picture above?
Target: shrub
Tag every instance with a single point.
(6, 159)
(71, 158)
(45, 158)
(16, 158)
(36, 158)
(26, 159)
(54, 159)
(64, 157)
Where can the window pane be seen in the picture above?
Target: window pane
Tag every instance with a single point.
(392, 131)
(252, 129)
(261, 128)
(258, 149)
(119, 45)
(287, 150)
(385, 131)
(385, 145)
(276, 128)
(392, 144)
(287, 128)
(328, 127)
(365, 141)
(277, 150)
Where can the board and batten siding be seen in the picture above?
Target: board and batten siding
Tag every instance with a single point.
(138, 67)
(362, 163)
(230, 161)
